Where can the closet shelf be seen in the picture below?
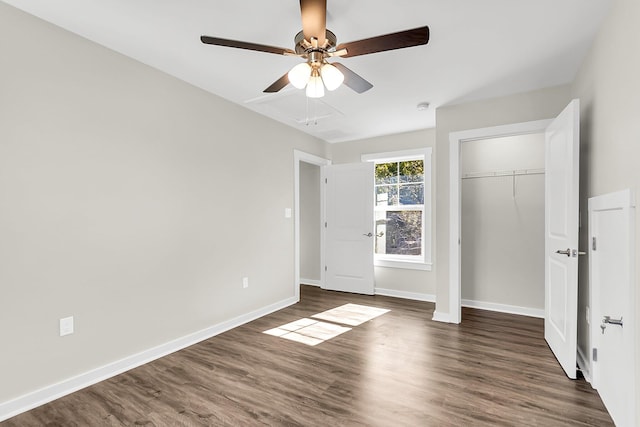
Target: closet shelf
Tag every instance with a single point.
(495, 174)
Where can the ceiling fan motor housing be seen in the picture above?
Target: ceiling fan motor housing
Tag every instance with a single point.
(304, 46)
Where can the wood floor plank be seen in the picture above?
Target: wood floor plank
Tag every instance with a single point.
(398, 369)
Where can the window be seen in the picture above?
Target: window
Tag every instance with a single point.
(402, 209)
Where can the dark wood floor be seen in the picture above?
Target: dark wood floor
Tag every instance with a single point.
(400, 369)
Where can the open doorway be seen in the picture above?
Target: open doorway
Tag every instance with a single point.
(310, 224)
(309, 195)
(456, 139)
(502, 224)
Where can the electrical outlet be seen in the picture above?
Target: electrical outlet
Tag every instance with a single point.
(287, 212)
(66, 326)
(245, 282)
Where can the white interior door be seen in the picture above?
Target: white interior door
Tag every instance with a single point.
(349, 236)
(611, 254)
(562, 148)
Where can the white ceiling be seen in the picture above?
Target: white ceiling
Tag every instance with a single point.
(478, 49)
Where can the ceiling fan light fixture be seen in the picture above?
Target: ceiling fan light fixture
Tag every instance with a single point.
(331, 76)
(315, 88)
(299, 75)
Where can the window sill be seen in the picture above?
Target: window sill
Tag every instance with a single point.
(407, 265)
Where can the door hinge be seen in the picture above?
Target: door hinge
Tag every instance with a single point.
(325, 268)
(593, 243)
(325, 224)
(326, 181)
(579, 219)
(594, 356)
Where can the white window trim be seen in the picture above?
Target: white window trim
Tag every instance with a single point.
(397, 261)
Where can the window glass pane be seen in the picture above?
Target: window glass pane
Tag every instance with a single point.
(412, 171)
(399, 232)
(386, 195)
(386, 173)
(411, 194)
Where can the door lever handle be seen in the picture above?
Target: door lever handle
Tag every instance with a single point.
(609, 321)
(369, 234)
(568, 252)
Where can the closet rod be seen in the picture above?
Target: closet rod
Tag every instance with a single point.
(519, 172)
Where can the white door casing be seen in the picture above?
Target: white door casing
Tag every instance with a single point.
(562, 148)
(349, 231)
(611, 272)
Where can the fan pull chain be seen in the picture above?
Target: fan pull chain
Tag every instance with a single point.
(315, 116)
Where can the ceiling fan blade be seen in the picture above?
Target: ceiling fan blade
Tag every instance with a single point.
(399, 40)
(314, 19)
(353, 80)
(245, 45)
(278, 84)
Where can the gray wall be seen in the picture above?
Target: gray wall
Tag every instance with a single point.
(502, 234)
(310, 217)
(130, 200)
(608, 85)
(523, 107)
(395, 279)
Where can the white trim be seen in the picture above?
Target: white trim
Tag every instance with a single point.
(455, 139)
(301, 156)
(584, 364)
(395, 156)
(504, 308)
(405, 264)
(49, 393)
(310, 282)
(441, 317)
(405, 295)
(619, 200)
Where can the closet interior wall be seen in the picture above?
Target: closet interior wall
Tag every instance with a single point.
(503, 224)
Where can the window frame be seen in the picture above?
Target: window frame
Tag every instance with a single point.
(413, 262)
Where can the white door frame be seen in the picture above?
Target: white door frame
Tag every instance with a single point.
(455, 205)
(301, 156)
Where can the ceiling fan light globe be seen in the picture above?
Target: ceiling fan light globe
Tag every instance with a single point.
(299, 75)
(331, 76)
(315, 88)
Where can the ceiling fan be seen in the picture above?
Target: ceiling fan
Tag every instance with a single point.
(316, 44)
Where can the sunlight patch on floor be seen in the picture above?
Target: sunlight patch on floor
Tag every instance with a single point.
(308, 331)
(351, 314)
(313, 332)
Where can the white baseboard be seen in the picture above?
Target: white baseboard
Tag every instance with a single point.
(406, 295)
(311, 282)
(49, 393)
(584, 365)
(503, 308)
